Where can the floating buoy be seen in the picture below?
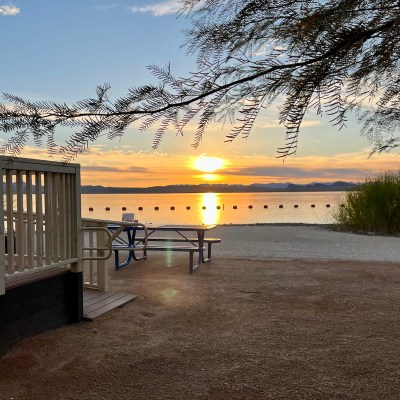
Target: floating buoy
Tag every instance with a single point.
(156, 208)
(296, 206)
(90, 208)
(250, 206)
(280, 206)
(123, 208)
(172, 208)
(204, 207)
(140, 208)
(265, 206)
(187, 207)
(107, 208)
(312, 205)
(234, 207)
(328, 205)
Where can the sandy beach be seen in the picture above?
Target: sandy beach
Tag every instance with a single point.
(282, 312)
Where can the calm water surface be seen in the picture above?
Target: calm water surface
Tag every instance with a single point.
(220, 208)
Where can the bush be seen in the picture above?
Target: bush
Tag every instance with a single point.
(374, 206)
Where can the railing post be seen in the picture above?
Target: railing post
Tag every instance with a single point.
(77, 223)
(2, 235)
(102, 274)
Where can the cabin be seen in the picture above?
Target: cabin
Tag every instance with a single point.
(44, 266)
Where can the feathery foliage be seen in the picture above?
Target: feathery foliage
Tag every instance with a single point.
(333, 56)
(374, 206)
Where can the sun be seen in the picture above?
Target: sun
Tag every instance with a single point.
(208, 164)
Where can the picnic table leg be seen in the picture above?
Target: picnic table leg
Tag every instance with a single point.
(131, 254)
(119, 266)
(208, 259)
(200, 237)
(191, 266)
(201, 245)
(131, 241)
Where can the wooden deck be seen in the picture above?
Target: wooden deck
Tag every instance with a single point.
(96, 303)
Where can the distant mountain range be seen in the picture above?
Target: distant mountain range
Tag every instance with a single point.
(223, 188)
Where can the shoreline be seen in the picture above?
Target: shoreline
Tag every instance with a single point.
(277, 224)
(331, 226)
(303, 241)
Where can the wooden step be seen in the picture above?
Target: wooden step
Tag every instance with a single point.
(96, 303)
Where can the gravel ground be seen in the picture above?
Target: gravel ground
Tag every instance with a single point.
(269, 318)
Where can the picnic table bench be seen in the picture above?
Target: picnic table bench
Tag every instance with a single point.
(207, 241)
(181, 243)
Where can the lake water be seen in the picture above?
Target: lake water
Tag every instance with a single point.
(219, 208)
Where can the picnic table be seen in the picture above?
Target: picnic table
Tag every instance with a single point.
(177, 239)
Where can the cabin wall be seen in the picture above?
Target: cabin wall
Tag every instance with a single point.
(40, 247)
(38, 306)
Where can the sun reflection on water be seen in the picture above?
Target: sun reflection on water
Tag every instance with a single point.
(209, 214)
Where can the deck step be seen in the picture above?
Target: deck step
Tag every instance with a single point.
(96, 303)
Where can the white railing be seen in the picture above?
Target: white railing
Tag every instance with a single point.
(39, 231)
(97, 242)
(97, 248)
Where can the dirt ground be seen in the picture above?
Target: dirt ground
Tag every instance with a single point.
(236, 329)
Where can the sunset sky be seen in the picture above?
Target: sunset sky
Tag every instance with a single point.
(60, 51)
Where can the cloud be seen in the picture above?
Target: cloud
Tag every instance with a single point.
(104, 7)
(9, 10)
(99, 168)
(116, 167)
(276, 124)
(159, 9)
(299, 172)
(353, 167)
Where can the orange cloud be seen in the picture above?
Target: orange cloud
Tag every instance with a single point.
(128, 168)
